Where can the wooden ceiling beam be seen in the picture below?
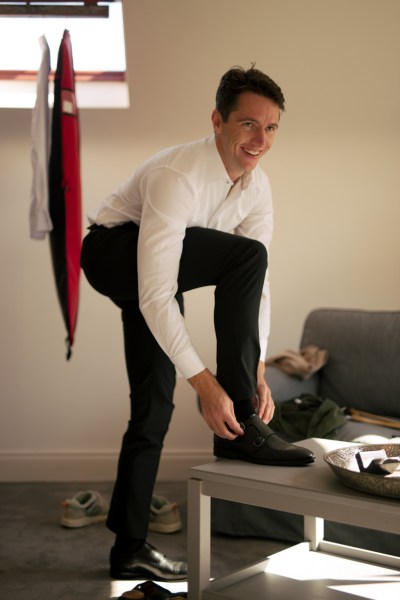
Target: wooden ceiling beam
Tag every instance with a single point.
(53, 8)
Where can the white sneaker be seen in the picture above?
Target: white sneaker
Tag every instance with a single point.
(164, 515)
(83, 509)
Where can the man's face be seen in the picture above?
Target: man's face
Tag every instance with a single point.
(248, 133)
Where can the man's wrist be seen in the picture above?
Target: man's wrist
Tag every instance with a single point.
(202, 381)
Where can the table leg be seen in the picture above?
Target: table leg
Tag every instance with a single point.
(313, 531)
(199, 539)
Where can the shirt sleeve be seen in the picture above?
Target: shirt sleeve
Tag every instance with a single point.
(258, 225)
(167, 205)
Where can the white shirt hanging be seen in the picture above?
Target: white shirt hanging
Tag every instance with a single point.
(39, 217)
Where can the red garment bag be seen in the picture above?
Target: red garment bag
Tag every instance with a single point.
(65, 190)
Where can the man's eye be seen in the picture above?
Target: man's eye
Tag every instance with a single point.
(248, 124)
(271, 128)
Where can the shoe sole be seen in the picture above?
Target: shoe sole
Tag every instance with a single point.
(145, 574)
(160, 528)
(235, 455)
(75, 523)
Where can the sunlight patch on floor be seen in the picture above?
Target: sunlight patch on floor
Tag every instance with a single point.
(318, 565)
(372, 591)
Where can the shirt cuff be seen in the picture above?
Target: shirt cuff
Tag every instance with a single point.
(188, 363)
(263, 349)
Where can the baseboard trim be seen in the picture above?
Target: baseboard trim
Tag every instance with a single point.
(88, 466)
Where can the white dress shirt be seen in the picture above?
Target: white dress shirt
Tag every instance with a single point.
(185, 186)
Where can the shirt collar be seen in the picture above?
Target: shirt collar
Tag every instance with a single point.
(246, 179)
(215, 167)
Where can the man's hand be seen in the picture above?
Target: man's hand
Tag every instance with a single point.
(216, 406)
(266, 406)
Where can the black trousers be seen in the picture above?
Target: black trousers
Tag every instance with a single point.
(236, 266)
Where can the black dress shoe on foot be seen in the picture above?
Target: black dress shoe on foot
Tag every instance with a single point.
(144, 564)
(261, 445)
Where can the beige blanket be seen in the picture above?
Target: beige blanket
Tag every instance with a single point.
(301, 364)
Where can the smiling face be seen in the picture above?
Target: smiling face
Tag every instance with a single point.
(248, 133)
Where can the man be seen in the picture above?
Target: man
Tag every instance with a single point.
(194, 215)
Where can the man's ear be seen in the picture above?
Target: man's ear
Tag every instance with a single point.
(216, 120)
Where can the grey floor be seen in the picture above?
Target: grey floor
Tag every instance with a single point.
(40, 560)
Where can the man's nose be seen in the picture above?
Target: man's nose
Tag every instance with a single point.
(260, 137)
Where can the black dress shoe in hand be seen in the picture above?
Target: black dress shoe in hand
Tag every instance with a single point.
(144, 564)
(261, 445)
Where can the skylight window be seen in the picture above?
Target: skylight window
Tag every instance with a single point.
(98, 48)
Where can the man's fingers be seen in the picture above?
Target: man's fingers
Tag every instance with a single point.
(268, 411)
(266, 408)
(224, 426)
(233, 428)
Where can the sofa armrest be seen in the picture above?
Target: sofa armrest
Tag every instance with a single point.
(284, 386)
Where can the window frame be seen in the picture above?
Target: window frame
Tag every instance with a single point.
(94, 88)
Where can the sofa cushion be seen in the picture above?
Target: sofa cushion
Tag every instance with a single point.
(284, 386)
(363, 365)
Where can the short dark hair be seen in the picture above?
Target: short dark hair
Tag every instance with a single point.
(238, 80)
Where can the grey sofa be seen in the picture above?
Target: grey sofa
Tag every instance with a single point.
(362, 372)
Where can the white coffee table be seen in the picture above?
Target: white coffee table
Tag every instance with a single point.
(312, 570)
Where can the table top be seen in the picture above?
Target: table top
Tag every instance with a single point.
(310, 490)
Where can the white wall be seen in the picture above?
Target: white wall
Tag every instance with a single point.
(335, 177)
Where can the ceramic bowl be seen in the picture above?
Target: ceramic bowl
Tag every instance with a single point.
(344, 464)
